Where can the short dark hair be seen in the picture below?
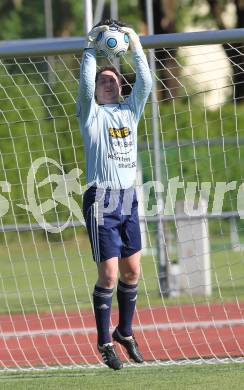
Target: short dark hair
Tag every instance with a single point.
(110, 22)
(112, 69)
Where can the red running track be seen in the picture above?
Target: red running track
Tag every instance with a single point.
(165, 333)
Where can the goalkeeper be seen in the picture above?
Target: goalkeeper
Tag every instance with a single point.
(109, 129)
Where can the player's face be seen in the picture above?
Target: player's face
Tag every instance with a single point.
(107, 88)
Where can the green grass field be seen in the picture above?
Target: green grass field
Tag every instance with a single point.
(204, 377)
(37, 275)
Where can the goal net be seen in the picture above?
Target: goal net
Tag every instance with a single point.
(191, 291)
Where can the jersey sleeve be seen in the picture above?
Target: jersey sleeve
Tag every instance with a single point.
(143, 85)
(85, 105)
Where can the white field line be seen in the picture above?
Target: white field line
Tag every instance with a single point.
(138, 328)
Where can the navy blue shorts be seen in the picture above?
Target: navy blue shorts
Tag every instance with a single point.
(112, 222)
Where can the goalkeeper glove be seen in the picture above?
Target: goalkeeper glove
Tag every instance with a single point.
(133, 38)
(92, 35)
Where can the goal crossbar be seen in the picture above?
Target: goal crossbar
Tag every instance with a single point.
(55, 46)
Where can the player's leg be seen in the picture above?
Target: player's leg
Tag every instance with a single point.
(127, 294)
(105, 252)
(102, 297)
(129, 267)
(102, 302)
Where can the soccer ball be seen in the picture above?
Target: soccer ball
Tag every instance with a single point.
(112, 43)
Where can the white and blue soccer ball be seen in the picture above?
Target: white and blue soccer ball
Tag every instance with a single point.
(112, 43)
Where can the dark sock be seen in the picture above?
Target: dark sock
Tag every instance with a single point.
(102, 302)
(126, 295)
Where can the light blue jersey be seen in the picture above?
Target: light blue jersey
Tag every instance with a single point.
(110, 131)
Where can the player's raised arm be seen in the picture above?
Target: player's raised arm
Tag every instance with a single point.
(87, 76)
(143, 84)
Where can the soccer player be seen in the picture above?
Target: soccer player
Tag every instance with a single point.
(109, 128)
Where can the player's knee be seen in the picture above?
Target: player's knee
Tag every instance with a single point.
(107, 280)
(131, 276)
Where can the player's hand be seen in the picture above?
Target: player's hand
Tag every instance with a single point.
(133, 37)
(92, 35)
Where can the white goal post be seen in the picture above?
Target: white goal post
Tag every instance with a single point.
(191, 300)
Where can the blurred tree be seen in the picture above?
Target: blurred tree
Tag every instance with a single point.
(23, 19)
(68, 17)
(164, 19)
(170, 17)
(217, 10)
(9, 19)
